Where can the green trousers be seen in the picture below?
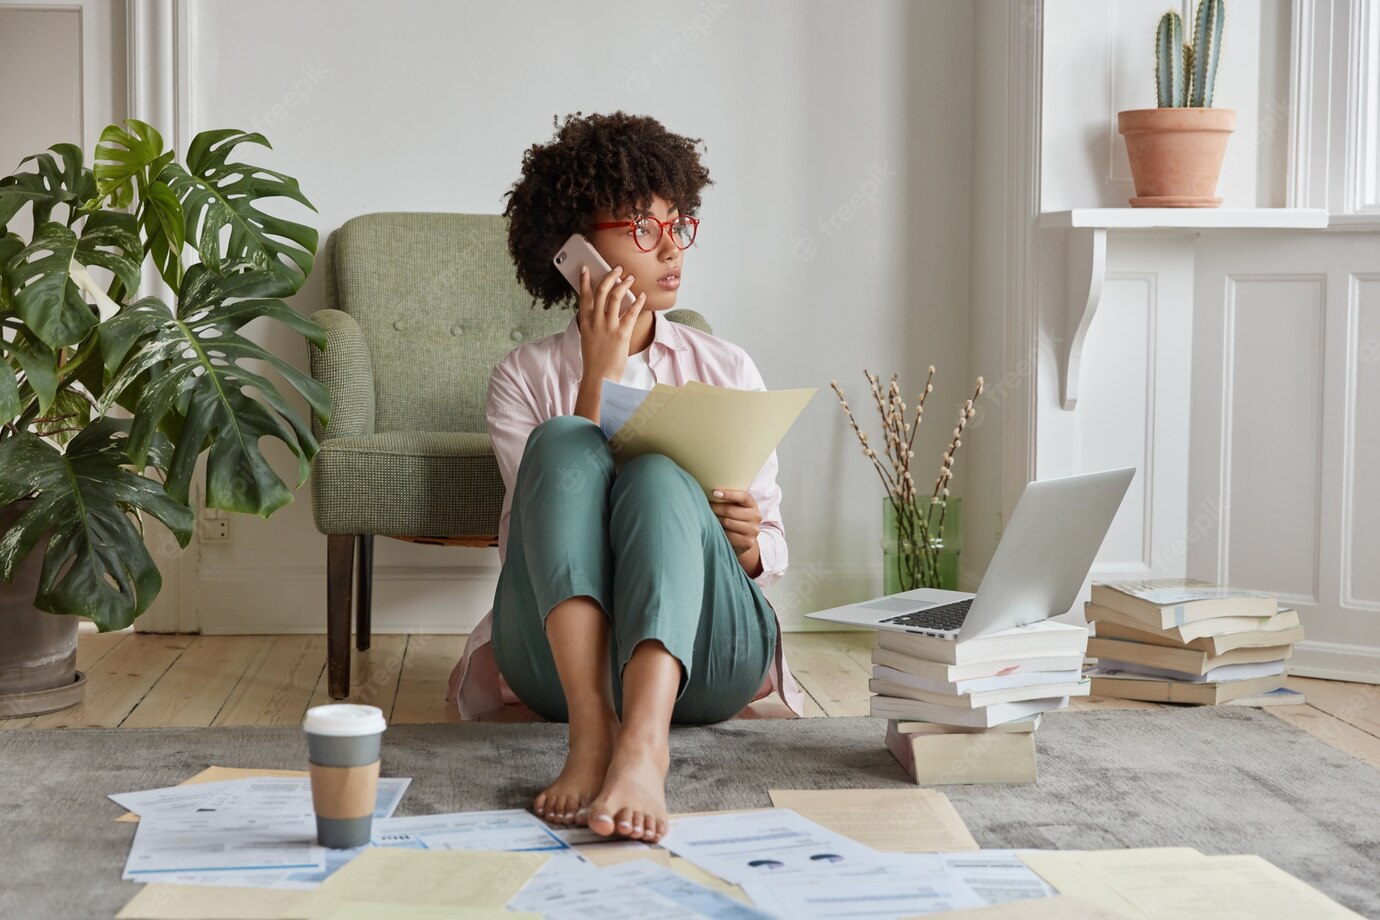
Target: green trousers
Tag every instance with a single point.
(645, 544)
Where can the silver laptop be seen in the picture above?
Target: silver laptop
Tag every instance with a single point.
(1036, 573)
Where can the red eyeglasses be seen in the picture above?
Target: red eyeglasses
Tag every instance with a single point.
(683, 230)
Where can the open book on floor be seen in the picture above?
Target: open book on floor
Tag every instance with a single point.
(1182, 660)
(1211, 645)
(890, 707)
(721, 436)
(1125, 686)
(1283, 618)
(1167, 602)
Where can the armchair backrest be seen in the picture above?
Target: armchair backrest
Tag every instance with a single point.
(437, 300)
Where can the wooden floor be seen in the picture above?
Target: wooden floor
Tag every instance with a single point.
(137, 680)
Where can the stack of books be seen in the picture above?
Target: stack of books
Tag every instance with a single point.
(966, 712)
(1189, 641)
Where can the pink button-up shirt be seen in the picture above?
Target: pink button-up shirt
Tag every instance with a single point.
(540, 379)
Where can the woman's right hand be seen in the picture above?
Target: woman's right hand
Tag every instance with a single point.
(604, 335)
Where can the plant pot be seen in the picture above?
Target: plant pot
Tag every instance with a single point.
(906, 564)
(38, 650)
(1176, 154)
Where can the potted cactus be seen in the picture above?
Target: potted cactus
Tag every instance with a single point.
(1176, 148)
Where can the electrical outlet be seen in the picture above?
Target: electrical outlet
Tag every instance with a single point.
(214, 530)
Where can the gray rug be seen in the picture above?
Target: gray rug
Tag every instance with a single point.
(1226, 780)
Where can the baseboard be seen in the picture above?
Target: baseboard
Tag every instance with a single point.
(1335, 661)
(449, 600)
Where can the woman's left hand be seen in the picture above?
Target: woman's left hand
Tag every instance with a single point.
(741, 520)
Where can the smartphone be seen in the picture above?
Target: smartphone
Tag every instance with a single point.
(577, 252)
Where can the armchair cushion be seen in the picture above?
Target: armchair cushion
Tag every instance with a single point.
(417, 483)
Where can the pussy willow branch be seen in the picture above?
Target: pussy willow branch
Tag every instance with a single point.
(899, 437)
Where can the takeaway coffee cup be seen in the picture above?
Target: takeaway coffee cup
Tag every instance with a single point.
(343, 748)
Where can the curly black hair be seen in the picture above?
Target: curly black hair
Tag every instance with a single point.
(616, 162)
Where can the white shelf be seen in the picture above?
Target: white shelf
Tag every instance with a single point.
(1186, 219)
(1084, 233)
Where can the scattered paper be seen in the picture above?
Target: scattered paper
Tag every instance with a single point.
(509, 829)
(1178, 883)
(629, 889)
(897, 820)
(618, 851)
(376, 910)
(997, 876)
(702, 899)
(177, 843)
(441, 878)
(207, 902)
(1059, 907)
(881, 898)
(746, 847)
(216, 774)
(281, 796)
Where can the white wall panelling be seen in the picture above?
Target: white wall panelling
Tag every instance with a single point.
(1133, 407)
(1285, 440)
(1334, 140)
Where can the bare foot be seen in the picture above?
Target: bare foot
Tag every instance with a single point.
(632, 802)
(566, 801)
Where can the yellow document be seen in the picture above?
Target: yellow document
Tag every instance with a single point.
(898, 820)
(216, 774)
(720, 435)
(377, 910)
(619, 851)
(1179, 883)
(208, 902)
(695, 874)
(431, 878)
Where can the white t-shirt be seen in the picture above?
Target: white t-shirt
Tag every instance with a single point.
(638, 373)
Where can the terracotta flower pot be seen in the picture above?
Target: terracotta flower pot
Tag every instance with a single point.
(1176, 154)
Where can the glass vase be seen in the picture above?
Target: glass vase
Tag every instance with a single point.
(920, 546)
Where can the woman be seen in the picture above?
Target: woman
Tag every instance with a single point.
(628, 599)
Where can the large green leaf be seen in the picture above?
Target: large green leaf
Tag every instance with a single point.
(36, 360)
(47, 293)
(203, 379)
(129, 158)
(95, 562)
(124, 153)
(216, 194)
(71, 184)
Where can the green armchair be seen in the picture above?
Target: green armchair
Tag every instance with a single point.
(421, 306)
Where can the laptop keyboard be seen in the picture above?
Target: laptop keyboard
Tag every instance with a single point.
(944, 618)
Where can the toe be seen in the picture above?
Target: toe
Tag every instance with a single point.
(623, 820)
(600, 821)
(539, 804)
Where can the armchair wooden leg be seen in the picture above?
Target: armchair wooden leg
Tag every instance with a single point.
(340, 557)
(363, 630)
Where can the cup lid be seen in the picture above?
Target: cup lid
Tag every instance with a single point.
(344, 719)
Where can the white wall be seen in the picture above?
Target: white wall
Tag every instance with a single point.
(808, 111)
(1100, 59)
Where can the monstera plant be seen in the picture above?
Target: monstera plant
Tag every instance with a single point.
(77, 344)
